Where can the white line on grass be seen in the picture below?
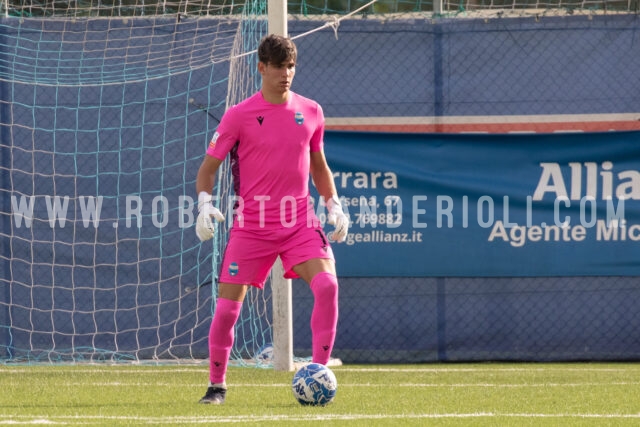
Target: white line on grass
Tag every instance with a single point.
(417, 385)
(542, 368)
(429, 369)
(78, 420)
(98, 369)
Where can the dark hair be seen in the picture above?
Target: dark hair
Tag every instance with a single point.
(275, 49)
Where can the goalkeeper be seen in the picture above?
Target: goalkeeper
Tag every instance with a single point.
(274, 140)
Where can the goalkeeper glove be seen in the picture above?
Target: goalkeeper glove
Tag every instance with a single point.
(204, 225)
(338, 219)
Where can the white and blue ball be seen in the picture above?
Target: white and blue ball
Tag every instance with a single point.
(265, 354)
(314, 384)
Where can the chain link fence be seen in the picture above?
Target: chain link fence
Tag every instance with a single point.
(527, 68)
(401, 320)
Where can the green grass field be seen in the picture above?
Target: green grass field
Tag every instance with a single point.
(488, 394)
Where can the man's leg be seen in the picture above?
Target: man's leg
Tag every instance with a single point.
(308, 255)
(221, 335)
(321, 276)
(324, 317)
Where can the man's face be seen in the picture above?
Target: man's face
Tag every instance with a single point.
(277, 78)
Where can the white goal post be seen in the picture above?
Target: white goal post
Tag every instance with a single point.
(281, 287)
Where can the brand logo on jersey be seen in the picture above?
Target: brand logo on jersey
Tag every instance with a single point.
(214, 138)
(299, 118)
(260, 119)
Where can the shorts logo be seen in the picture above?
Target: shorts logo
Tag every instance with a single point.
(233, 269)
(299, 118)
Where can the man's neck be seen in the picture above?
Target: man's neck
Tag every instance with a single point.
(275, 98)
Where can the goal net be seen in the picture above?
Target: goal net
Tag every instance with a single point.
(105, 115)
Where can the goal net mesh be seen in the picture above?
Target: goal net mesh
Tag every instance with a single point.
(105, 115)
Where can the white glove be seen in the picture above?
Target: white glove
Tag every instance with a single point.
(204, 225)
(338, 219)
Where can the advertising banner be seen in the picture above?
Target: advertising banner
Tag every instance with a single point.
(488, 205)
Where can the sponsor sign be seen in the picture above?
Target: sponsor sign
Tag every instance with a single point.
(488, 205)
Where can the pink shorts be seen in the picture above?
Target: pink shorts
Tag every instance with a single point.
(250, 254)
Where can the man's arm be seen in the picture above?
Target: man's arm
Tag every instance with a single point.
(204, 185)
(207, 174)
(323, 180)
(321, 175)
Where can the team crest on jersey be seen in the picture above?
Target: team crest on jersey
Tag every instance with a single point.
(214, 138)
(299, 118)
(233, 269)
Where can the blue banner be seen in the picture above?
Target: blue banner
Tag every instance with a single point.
(488, 205)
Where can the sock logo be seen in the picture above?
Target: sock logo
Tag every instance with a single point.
(260, 119)
(325, 347)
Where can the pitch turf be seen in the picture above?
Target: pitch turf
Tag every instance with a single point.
(489, 394)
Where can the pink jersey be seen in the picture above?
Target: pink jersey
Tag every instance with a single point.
(270, 147)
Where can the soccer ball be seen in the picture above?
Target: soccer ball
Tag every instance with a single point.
(314, 384)
(265, 354)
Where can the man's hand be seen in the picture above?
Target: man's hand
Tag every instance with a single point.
(204, 224)
(338, 219)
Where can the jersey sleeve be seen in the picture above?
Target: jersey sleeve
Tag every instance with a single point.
(317, 139)
(225, 136)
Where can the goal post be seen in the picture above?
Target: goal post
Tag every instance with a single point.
(281, 288)
(282, 322)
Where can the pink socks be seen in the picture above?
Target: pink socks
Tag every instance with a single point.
(324, 317)
(221, 336)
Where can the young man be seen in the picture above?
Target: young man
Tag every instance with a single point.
(275, 140)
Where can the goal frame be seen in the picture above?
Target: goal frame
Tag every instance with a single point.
(282, 299)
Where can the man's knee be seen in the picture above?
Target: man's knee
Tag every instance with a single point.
(324, 285)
